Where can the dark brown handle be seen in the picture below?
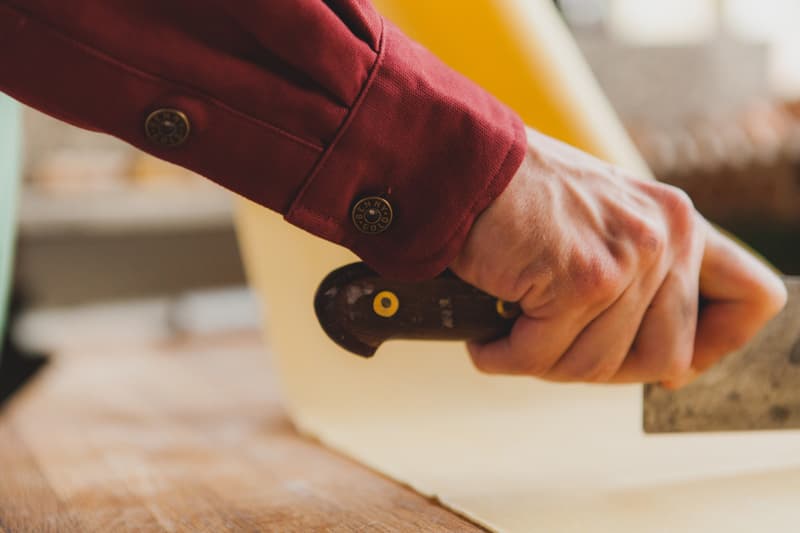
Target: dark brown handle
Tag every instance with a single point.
(359, 310)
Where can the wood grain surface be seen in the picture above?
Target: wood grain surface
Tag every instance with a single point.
(185, 437)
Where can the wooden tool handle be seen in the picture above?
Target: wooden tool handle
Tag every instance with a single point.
(359, 310)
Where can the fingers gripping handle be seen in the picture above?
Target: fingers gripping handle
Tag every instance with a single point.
(359, 310)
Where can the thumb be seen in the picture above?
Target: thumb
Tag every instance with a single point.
(739, 295)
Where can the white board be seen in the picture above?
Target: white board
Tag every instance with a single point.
(513, 454)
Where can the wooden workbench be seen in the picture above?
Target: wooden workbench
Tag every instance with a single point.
(182, 437)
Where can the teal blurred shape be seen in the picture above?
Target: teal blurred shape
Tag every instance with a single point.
(10, 150)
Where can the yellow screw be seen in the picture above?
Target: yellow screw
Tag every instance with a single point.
(507, 310)
(386, 304)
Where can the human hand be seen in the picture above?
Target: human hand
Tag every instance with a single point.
(608, 270)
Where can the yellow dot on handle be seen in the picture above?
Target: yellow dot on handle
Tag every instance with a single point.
(506, 310)
(385, 304)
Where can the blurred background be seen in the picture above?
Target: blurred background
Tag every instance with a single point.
(115, 245)
(709, 91)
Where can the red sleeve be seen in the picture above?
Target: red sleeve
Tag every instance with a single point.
(304, 106)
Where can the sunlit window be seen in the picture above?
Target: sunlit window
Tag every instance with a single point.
(660, 22)
(663, 22)
(776, 22)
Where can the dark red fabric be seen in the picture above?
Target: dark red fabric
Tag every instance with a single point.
(303, 106)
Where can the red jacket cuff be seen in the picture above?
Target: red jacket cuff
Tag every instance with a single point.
(431, 143)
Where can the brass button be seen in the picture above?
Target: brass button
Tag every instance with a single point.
(372, 215)
(167, 127)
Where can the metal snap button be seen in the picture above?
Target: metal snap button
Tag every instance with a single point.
(372, 215)
(167, 127)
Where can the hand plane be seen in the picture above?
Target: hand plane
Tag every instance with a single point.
(756, 388)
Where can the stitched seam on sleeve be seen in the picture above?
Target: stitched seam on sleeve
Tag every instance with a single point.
(119, 64)
(334, 224)
(351, 115)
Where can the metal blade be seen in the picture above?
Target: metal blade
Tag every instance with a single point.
(757, 388)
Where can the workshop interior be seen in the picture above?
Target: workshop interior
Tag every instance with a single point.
(105, 246)
(106, 232)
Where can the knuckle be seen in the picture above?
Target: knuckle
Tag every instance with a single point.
(676, 229)
(598, 280)
(532, 363)
(511, 362)
(536, 366)
(680, 210)
(650, 239)
(501, 283)
(506, 289)
(680, 201)
(600, 374)
(603, 370)
(529, 277)
(589, 367)
(668, 361)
